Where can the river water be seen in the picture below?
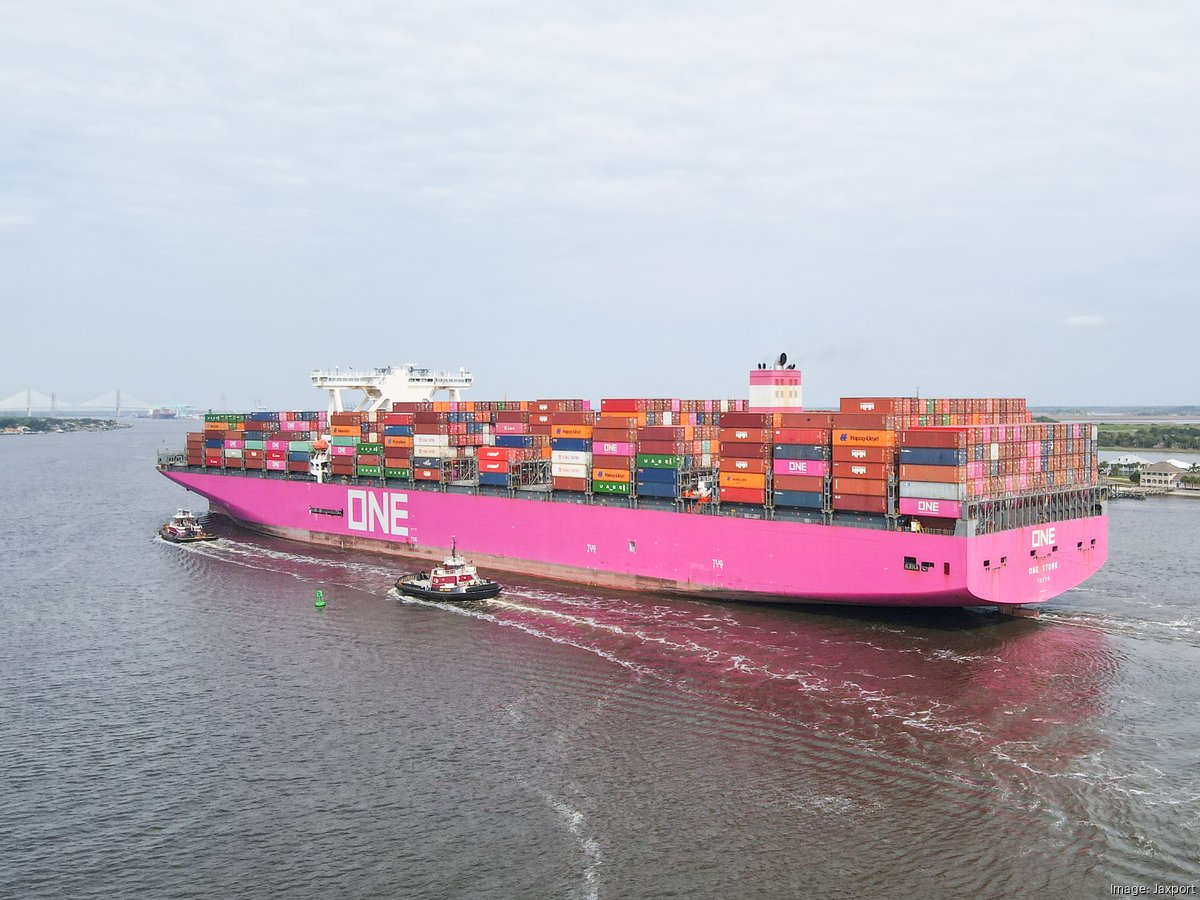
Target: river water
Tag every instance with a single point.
(182, 722)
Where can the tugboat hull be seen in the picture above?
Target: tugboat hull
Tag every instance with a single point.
(475, 592)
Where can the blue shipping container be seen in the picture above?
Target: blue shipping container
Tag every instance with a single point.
(499, 479)
(514, 440)
(214, 443)
(801, 451)
(805, 499)
(397, 431)
(932, 456)
(658, 476)
(654, 489)
(297, 456)
(427, 462)
(574, 445)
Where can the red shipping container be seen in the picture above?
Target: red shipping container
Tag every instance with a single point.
(743, 495)
(821, 420)
(665, 448)
(618, 422)
(276, 454)
(746, 435)
(851, 453)
(369, 459)
(214, 461)
(876, 405)
(662, 433)
(427, 474)
(755, 466)
(746, 420)
(952, 438)
(585, 417)
(569, 484)
(801, 436)
(614, 435)
(300, 466)
(746, 451)
(393, 453)
(860, 487)
(620, 405)
(493, 466)
(254, 464)
(855, 469)
(613, 462)
(860, 503)
(810, 483)
(862, 422)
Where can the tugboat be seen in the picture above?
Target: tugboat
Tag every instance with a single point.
(454, 579)
(184, 528)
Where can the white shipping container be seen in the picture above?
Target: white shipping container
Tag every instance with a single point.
(233, 453)
(568, 470)
(431, 440)
(933, 490)
(571, 457)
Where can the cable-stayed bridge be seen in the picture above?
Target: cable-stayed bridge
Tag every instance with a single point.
(116, 402)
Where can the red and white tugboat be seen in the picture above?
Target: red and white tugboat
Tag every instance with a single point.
(454, 579)
(184, 528)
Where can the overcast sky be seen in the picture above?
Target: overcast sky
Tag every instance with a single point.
(602, 199)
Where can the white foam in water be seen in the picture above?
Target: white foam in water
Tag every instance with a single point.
(589, 846)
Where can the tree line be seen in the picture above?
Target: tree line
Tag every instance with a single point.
(1151, 437)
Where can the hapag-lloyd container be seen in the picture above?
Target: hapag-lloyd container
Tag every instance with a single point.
(570, 457)
(801, 467)
(568, 470)
(924, 506)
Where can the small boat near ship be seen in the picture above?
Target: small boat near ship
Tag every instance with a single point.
(455, 579)
(184, 528)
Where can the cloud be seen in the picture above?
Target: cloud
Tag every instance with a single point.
(1084, 321)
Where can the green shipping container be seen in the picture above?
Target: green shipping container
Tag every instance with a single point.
(256, 445)
(610, 487)
(369, 471)
(370, 448)
(658, 461)
(297, 446)
(405, 474)
(216, 417)
(344, 441)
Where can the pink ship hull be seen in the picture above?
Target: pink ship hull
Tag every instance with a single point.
(715, 556)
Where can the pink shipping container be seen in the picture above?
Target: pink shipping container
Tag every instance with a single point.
(945, 509)
(511, 428)
(277, 465)
(614, 448)
(801, 467)
(277, 445)
(235, 445)
(342, 451)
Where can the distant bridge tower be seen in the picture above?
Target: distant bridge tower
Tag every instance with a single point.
(382, 387)
(775, 387)
(29, 403)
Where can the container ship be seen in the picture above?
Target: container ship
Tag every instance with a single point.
(889, 501)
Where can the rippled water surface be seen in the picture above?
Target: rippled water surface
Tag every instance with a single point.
(182, 721)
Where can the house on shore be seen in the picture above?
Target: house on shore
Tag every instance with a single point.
(1163, 475)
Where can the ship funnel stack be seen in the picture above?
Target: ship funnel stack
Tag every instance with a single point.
(775, 387)
(392, 384)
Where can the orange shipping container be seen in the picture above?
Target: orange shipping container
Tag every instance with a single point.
(864, 438)
(743, 480)
(344, 431)
(621, 476)
(571, 431)
(862, 487)
(942, 474)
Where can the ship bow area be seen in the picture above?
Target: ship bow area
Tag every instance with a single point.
(1034, 564)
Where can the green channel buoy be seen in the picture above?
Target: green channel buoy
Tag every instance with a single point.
(320, 602)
